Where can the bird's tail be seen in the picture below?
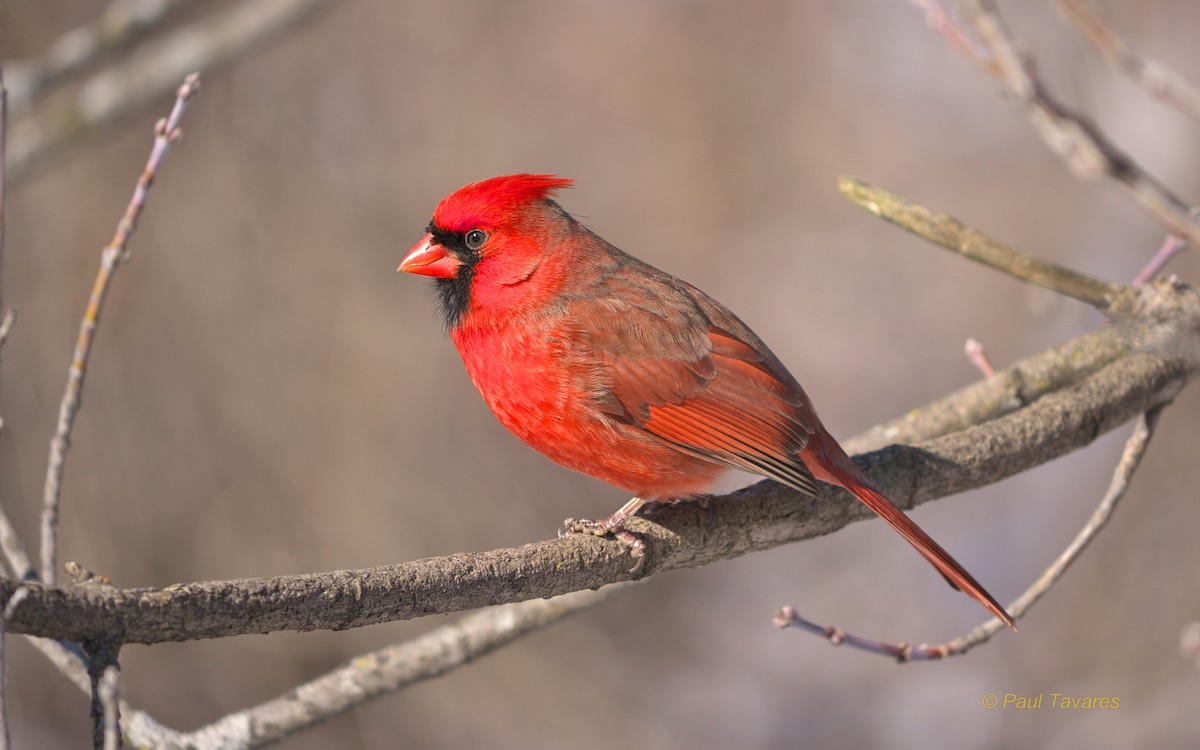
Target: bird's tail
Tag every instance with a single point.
(829, 463)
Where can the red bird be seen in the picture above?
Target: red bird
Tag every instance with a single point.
(613, 368)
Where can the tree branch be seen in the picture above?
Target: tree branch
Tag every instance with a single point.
(952, 234)
(1086, 150)
(166, 132)
(369, 676)
(1171, 246)
(109, 694)
(102, 659)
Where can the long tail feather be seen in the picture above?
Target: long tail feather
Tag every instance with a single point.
(829, 463)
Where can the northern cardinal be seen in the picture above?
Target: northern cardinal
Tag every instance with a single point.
(613, 368)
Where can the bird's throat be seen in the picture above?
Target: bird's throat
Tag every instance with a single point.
(454, 295)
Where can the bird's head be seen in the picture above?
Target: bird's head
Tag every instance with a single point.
(488, 238)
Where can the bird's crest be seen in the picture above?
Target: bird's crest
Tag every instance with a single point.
(490, 201)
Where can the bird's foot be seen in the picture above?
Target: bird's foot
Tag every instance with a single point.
(615, 525)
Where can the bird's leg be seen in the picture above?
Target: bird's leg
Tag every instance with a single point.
(615, 525)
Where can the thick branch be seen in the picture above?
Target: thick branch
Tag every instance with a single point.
(765, 515)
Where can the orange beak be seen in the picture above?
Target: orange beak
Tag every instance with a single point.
(427, 258)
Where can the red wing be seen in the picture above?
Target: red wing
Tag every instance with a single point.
(702, 389)
(745, 417)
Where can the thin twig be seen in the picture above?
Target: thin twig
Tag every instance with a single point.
(1131, 458)
(166, 132)
(141, 728)
(1157, 79)
(117, 26)
(101, 657)
(1171, 246)
(952, 234)
(974, 351)
(1086, 150)
(109, 698)
(787, 617)
(71, 662)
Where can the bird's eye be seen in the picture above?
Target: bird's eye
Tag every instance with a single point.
(475, 238)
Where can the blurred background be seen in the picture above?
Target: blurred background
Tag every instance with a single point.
(268, 396)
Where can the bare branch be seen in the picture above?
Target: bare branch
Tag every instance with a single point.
(1086, 150)
(788, 617)
(68, 659)
(1004, 393)
(151, 71)
(166, 133)
(101, 657)
(764, 516)
(952, 234)
(1157, 79)
(1170, 247)
(373, 675)
(1131, 458)
(70, 662)
(109, 697)
(361, 680)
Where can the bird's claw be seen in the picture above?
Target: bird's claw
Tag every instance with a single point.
(637, 548)
(615, 525)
